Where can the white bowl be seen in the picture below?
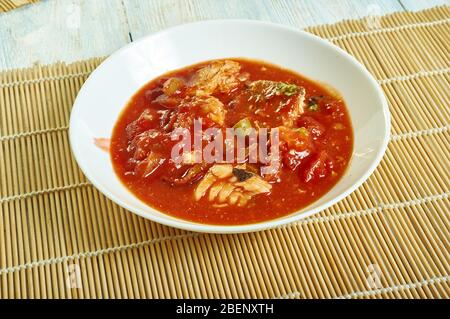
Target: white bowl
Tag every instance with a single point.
(109, 88)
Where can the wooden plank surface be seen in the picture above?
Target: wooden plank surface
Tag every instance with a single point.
(67, 30)
(71, 30)
(298, 13)
(416, 5)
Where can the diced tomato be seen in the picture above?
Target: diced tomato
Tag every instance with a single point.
(319, 167)
(147, 120)
(170, 102)
(296, 138)
(183, 120)
(149, 166)
(166, 119)
(292, 159)
(312, 125)
(142, 144)
(150, 95)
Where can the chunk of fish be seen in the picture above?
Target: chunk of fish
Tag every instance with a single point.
(214, 109)
(209, 106)
(173, 86)
(149, 165)
(297, 109)
(219, 76)
(263, 90)
(222, 186)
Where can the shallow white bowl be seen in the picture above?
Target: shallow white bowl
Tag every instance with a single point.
(112, 84)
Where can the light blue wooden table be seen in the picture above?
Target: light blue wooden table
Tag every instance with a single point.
(70, 30)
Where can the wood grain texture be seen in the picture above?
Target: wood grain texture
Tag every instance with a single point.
(416, 5)
(297, 13)
(71, 30)
(67, 30)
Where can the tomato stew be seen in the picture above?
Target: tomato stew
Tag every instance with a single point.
(315, 134)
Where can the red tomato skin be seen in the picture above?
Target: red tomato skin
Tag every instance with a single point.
(293, 159)
(312, 125)
(317, 168)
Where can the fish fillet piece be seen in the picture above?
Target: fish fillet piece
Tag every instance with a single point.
(218, 76)
(263, 90)
(224, 184)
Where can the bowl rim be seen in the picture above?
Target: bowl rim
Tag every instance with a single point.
(282, 221)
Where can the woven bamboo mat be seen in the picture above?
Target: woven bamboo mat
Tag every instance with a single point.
(6, 5)
(60, 238)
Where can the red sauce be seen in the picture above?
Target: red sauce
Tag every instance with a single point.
(144, 127)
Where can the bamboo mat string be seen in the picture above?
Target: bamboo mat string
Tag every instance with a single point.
(7, 5)
(389, 239)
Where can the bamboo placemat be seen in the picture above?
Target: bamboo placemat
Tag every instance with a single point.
(6, 5)
(61, 238)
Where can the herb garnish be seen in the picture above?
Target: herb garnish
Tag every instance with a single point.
(287, 89)
(313, 107)
(313, 104)
(303, 131)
